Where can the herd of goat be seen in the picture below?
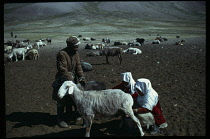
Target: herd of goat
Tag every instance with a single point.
(29, 50)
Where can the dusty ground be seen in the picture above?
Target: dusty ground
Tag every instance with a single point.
(177, 73)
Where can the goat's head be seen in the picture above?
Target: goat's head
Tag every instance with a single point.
(67, 88)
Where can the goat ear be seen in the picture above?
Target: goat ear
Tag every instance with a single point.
(71, 90)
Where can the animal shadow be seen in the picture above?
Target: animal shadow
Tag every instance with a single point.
(31, 118)
(106, 129)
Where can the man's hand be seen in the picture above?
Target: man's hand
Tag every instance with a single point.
(82, 81)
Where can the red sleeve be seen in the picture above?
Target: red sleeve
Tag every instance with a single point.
(119, 86)
(135, 95)
(142, 110)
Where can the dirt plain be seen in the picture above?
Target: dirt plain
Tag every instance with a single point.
(177, 73)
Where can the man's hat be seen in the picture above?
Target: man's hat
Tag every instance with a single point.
(73, 40)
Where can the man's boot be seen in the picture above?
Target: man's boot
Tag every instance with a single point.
(60, 115)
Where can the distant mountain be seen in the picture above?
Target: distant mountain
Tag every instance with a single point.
(162, 10)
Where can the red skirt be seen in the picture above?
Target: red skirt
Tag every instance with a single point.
(158, 115)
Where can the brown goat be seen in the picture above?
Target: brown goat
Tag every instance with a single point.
(112, 51)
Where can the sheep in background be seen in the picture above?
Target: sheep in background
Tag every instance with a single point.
(93, 53)
(48, 41)
(29, 47)
(39, 44)
(8, 57)
(112, 51)
(86, 39)
(124, 43)
(180, 42)
(156, 42)
(133, 51)
(134, 44)
(8, 49)
(33, 54)
(87, 46)
(17, 52)
(140, 40)
(106, 41)
(86, 66)
(100, 45)
(92, 85)
(99, 103)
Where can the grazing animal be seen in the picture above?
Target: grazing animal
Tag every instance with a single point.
(159, 38)
(165, 39)
(103, 103)
(93, 53)
(180, 42)
(112, 51)
(86, 39)
(86, 66)
(22, 45)
(9, 43)
(33, 54)
(117, 43)
(155, 42)
(99, 45)
(87, 46)
(133, 51)
(106, 40)
(93, 85)
(92, 39)
(48, 41)
(18, 52)
(27, 41)
(124, 43)
(140, 40)
(39, 44)
(29, 46)
(134, 44)
(8, 49)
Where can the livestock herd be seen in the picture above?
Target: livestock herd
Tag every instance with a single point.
(27, 49)
(116, 50)
(23, 49)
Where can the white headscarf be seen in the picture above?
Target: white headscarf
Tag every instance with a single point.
(127, 77)
(150, 98)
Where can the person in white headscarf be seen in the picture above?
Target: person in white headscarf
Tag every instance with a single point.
(127, 84)
(147, 99)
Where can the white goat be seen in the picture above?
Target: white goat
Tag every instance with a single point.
(18, 52)
(133, 51)
(99, 45)
(156, 42)
(86, 39)
(99, 103)
(29, 47)
(39, 44)
(8, 49)
(124, 43)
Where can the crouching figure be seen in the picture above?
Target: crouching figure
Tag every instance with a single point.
(146, 102)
